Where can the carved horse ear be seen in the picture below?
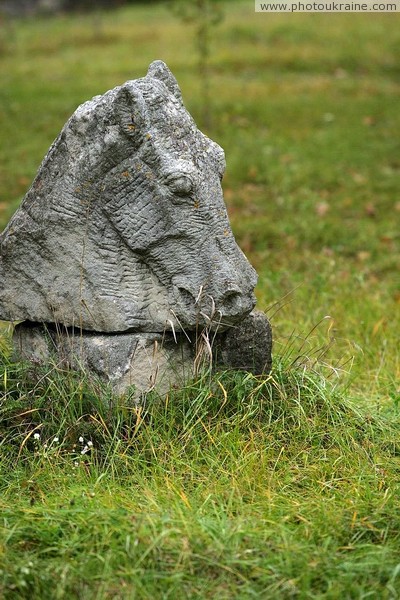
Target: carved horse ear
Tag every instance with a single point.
(159, 70)
(130, 112)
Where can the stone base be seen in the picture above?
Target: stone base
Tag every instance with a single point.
(147, 360)
(247, 346)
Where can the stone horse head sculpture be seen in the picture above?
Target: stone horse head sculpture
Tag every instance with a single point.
(124, 227)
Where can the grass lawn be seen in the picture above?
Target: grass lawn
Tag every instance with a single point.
(235, 487)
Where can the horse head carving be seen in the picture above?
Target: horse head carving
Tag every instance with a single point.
(124, 227)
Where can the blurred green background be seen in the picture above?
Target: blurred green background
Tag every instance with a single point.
(306, 107)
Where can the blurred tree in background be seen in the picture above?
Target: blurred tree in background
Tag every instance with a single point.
(84, 5)
(201, 15)
(21, 8)
(204, 15)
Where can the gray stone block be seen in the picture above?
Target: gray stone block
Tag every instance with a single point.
(247, 345)
(148, 361)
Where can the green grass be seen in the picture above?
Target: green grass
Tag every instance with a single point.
(235, 487)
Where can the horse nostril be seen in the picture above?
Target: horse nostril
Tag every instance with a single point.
(231, 300)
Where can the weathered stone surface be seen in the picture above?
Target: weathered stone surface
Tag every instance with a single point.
(247, 345)
(124, 227)
(147, 360)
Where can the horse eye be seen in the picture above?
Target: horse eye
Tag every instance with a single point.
(180, 185)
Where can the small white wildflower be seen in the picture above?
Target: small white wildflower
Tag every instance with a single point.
(90, 444)
(328, 117)
(56, 440)
(76, 464)
(85, 449)
(36, 436)
(80, 439)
